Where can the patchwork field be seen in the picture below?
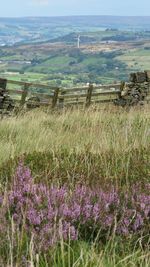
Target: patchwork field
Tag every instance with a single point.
(104, 56)
(136, 59)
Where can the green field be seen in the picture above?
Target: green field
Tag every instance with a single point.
(136, 59)
(104, 56)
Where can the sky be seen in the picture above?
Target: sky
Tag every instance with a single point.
(21, 8)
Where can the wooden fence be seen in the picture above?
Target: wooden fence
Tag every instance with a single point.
(51, 96)
(22, 92)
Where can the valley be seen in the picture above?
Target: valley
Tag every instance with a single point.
(66, 51)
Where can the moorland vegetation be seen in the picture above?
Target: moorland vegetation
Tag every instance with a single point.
(74, 188)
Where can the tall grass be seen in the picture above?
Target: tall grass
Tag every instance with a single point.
(95, 130)
(76, 146)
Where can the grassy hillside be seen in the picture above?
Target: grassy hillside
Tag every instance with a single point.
(101, 147)
(74, 152)
(98, 131)
(136, 59)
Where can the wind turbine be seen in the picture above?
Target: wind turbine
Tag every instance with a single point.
(78, 41)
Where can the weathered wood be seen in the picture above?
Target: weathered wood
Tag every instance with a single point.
(74, 89)
(75, 103)
(85, 88)
(78, 95)
(42, 95)
(14, 92)
(73, 95)
(106, 93)
(24, 94)
(103, 101)
(61, 99)
(77, 99)
(3, 83)
(108, 86)
(19, 92)
(55, 97)
(89, 95)
(32, 84)
(92, 102)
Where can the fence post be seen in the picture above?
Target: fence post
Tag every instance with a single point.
(24, 94)
(55, 97)
(3, 84)
(89, 95)
(61, 99)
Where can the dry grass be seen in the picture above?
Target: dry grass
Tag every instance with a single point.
(97, 130)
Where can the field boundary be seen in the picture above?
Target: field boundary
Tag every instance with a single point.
(38, 94)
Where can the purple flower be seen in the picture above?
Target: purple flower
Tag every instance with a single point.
(52, 213)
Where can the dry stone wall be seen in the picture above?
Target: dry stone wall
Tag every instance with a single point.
(136, 90)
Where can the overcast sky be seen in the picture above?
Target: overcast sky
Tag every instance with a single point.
(11, 8)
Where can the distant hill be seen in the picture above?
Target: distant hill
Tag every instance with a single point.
(129, 22)
(37, 29)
